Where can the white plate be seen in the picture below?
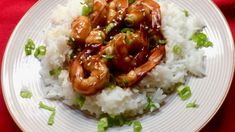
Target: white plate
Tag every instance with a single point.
(19, 71)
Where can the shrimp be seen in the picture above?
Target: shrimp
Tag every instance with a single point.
(143, 10)
(128, 50)
(100, 12)
(117, 10)
(96, 36)
(138, 73)
(89, 73)
(81, 28)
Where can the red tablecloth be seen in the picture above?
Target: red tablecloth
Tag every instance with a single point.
(12, 11)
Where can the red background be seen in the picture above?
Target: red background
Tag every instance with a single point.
(12, 11)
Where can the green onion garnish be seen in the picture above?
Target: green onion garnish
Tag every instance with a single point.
(137, 126)
(129, 20)
(128, 38)
(124, 30)
(192, 105)
(208, 44)
(110, 85)
(184, 92)
(162, 41)
(108, 57)
(151, 106)
(177, 49)
(186, 13)
(107, 121)
(109, 27)
(40, 51)
(80, 100)
(131, 1)
(29, 47)
(86, 10)
(51, 109)
(87, 7)
(25, 94)
(46, 107)
(71, 42)
(201, 40)
(103, 124)
(51, 119)
(55, 72)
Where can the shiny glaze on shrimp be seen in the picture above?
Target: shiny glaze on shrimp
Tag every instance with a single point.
(88, 73)
(100, 12)
(128, 50)
(81, 28)
(127, 56)
(135, 75)
(117, 10)
(96, 36)
(143, 11)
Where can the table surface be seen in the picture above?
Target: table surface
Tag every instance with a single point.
(10, 15)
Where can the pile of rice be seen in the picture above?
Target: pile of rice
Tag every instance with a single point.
(177, 29)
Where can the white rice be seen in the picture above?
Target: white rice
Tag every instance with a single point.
(177, 29)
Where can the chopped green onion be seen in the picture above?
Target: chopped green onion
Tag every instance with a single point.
(151, 106)
(108, 57)
(201, 40)
(129, 122)
(103, 39)
(103, 124)
(55, 72)
(80, 100)
(184, 92)
(87, 7)
(124, 30)
(202, 36)
(51, 119)
(137, 126)
(186, 13)
(71, 42)
(109, 27)
(129, 20)
(110, 85)
(125, 81)
(40, 51)
(49, 108)
(25, 94)
(192, 105)
(107, 121)
(70, 54)
(116, 120)
(194, 37)
(86, 10)
(28, 51)
(162, 41)
(29, 46)
(46, 107)
(177, 49)
(131, 1)
(90, 3)
(128, 38)
(208, 44)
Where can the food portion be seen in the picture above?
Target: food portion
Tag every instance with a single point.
(126, 33)
(117, 59)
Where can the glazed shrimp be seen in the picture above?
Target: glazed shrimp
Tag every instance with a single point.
(96, 36)
(144, 11)
(88, 73)
(137, 74)
(81, 28)
(100, 12)
(117, 10)
(128, 50)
